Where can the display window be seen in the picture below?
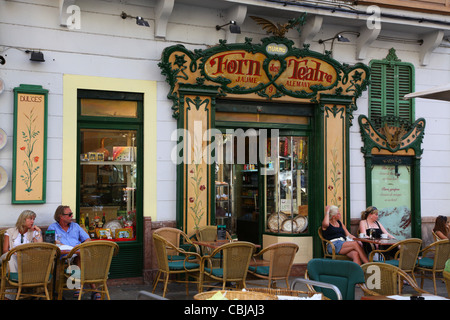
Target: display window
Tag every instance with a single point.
(109, 197)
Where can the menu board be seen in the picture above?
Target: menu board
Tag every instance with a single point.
(391, 194)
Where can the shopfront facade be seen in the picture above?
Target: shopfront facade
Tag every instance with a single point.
(183, 124)
(263, 138)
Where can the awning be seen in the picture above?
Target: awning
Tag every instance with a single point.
(438, 93)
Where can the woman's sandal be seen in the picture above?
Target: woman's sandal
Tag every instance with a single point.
(96, 296)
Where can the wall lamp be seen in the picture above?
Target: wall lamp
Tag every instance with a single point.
(234, 28)
(139, 20)
(36, 56)
(339, 37)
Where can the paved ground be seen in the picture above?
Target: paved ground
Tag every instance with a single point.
(178, 292)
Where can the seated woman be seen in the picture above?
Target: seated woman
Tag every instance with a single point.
(441, 228)
(334, 231)
(24, 232)
(369, 223)
(370, 226)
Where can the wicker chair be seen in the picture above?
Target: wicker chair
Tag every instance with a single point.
(233, 266)
(94, 262)
(2, 236)
(441, 253)
(406, 256)
(179, 239)
(281, 258)
(385, 279)
(435, 236)
(209, 233)
(187, 267)
(333, 255)
(35, 265)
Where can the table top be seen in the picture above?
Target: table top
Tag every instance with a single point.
(211, 244)
(378, 241)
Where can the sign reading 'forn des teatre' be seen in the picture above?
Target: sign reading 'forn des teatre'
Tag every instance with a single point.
(268, 70)
(249, 70)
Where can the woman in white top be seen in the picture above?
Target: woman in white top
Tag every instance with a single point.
(24, 232)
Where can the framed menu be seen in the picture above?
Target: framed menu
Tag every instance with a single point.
(391, 194)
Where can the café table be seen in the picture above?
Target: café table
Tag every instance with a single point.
(382, 242)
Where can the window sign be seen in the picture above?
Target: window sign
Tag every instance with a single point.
(391, 194)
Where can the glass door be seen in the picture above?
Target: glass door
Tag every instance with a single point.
(286, 187)
(263, 193)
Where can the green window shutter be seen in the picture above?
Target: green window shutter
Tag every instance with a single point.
(390, 82)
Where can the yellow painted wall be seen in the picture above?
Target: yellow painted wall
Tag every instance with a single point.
(305, 244)
(70, 85)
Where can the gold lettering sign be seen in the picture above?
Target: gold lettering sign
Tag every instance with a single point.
(302, 73)
(241, 68)
(246, 70)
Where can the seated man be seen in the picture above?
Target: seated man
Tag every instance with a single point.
(70, 233)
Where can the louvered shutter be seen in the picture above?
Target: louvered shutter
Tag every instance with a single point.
(389, 84)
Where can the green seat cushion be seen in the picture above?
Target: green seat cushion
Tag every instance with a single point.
(14, 276)
(181, 265)
(426, 263)
(392, 262)
(262, 270)
(217, 272)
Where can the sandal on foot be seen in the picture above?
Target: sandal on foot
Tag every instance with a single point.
(96, 296)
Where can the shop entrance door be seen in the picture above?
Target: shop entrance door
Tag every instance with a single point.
(261, 174)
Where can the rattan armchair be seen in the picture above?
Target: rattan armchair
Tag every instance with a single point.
(209, 233)
(179, 239)
(440, 251)
(35, 265)
(385, 279)
(94, 260)
(233, 266)
(187, 267)
(333, 255)
(405, 257)
(280, 257)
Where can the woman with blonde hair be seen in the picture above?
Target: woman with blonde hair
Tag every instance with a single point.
(24, 232)
(336, 232)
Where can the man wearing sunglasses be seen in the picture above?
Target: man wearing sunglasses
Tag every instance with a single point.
(67, 231)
